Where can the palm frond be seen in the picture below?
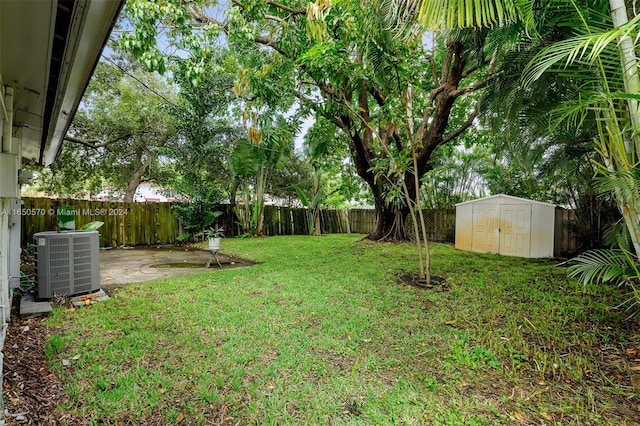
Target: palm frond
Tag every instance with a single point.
(625, 181)
(400, 15)
(617, 236)
(586, 49)
(605, 266)
(439, 14)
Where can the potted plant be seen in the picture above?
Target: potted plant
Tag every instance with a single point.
(214, 235)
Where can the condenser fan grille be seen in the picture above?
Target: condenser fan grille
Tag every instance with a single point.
(68, 263)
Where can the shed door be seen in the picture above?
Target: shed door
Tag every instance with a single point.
(486, 232)
(515, 230)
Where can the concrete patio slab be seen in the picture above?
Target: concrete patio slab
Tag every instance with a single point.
(140, 264)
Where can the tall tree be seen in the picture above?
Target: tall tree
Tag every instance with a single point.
(119, 129)
(208, 130)
(595, 44)
(253, 161)
(342, 61)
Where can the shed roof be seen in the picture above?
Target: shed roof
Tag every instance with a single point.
(511, 197)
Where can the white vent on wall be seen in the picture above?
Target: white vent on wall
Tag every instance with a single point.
(67, 263)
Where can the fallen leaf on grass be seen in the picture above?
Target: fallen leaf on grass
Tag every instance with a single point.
(632, 351)
(546, 416)
(519, 417)
(88, 297)
(635, 368)
(180, 417)
(452, 322)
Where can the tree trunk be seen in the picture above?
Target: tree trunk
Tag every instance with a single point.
(389, 223)
(629, 206)
(132, 185)
(316, 224)
(140, 168)
(233, 194)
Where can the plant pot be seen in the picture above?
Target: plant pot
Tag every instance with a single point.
(214, 243)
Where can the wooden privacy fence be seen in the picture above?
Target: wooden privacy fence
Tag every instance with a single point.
(295, 221)
(124, 223)
(151, 223)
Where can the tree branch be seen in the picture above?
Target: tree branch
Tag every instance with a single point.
(446, 62)
(379, 97)
(481, 84)
(274, 18)
(469, 70)
(96, 143)
(460, 129)
(197, 14)
(426, 114)
(398, 141)
(434, 70)
(286, 8)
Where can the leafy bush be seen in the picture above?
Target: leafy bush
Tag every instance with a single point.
(198, 214)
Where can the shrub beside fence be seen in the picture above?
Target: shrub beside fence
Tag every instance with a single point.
(148, 223)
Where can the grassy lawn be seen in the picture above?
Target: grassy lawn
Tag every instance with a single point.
(320, 332)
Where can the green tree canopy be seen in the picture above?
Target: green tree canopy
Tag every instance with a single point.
(117, 134)
(340, 60)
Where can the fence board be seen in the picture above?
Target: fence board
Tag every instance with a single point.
(362, 221)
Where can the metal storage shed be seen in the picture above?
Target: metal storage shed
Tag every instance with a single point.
(506, 225)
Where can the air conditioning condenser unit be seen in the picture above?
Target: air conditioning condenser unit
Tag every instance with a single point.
(67, 263)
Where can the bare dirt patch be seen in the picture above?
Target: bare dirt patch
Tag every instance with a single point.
(437, 283)
(32, 392)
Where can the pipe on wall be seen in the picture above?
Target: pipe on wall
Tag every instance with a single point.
(7, 128)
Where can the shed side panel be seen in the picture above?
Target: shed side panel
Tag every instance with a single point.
(464, 223)
(542, 230)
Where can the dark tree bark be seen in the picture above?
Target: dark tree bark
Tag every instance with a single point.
(141, 166)
(390, 220)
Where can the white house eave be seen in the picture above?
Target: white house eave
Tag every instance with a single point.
(91, 31)
(48, 50)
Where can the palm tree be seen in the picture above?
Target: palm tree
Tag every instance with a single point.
(601, 54)
(252, 162)
(601, 51)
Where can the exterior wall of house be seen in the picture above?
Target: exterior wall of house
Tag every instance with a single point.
(9, 199)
